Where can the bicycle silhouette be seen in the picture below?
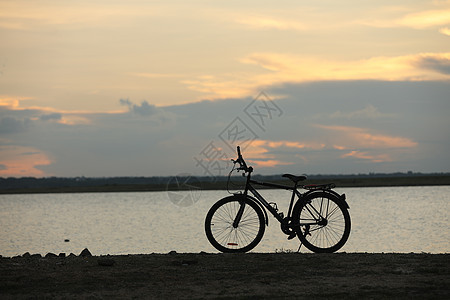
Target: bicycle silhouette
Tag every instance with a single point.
(319, 217)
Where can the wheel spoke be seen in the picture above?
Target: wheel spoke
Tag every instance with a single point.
(324, 224)
(227, 238)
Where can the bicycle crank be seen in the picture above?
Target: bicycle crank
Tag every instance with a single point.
(286, 227)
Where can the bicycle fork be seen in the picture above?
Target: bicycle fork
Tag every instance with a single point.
(239, 214)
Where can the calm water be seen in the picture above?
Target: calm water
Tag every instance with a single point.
(400, 219)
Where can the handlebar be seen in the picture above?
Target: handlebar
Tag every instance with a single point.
(241, 161)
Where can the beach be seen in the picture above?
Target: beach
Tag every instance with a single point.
(228, 276)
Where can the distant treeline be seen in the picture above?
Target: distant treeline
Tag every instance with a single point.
(160, 183)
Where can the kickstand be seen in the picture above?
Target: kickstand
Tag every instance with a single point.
(299, 247)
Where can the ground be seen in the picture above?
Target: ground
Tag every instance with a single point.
(229, 276)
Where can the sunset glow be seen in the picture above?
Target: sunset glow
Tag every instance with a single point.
(94, 88)
(21, 162)
(361, 138)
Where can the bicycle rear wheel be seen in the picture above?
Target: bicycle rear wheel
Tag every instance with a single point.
(324, 222)
(225, 234)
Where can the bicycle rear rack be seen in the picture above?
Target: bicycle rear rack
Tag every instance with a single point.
(327, 186)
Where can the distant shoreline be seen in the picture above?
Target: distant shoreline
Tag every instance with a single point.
(340, 181)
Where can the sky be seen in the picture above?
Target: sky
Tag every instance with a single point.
(161, 88)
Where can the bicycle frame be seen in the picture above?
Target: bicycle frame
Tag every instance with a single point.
(263, 201)
(279, 216)
(266, 204)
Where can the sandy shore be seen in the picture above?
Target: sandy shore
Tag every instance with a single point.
(242, 276)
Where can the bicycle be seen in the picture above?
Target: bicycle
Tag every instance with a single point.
(319, 218)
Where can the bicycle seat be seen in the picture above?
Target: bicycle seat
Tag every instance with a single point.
(294, 178)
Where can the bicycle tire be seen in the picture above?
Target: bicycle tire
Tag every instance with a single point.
(329, 235)
(219, 225)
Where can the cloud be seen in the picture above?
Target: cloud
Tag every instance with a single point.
(376, 158)
(20, 118)
(269, 153)
(51, 117)
(361, 143)
(11, 102)
(397, 16)
(437, 63)
(369, 112)
(284, 68)
(347, 142)
(79, 118)
(294, 68)
(403, 123)
(22, 161)
(126, 102)
(426, 19)
(363, 138)
(269, 22)
(445, 31)
(145, 109)
(83, 143)
(11, 125)
(270, 144)
(270, 163)
(156, 115)
(223, 86)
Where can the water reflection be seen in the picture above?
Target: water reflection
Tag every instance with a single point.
(400, 219)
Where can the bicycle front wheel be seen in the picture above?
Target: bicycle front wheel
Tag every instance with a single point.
(234, 224)
(324, 222)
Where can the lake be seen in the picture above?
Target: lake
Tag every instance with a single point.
(384, 219)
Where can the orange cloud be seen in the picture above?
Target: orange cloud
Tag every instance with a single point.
(426, 19)
(397, 16)
(338, 147)
(263, 145)
(73, 119)
(349, 139)
(11, 102)
(19, 161)
(354, 137)
(358, 143)
(269, 163)
(258, 152)
(294, 68)
(282, 68)
(368, 156)
(66, 117)
(222, 86)
(445, 31)
(353, 140)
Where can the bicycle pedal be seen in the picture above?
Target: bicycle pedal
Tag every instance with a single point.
(291, 236)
